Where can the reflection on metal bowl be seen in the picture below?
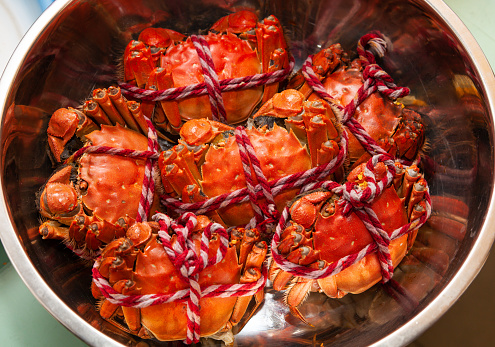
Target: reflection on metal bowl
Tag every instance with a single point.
(73, 48)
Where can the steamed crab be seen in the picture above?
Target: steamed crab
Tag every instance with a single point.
(207, 163)
(319, 234)
(138, 264)
(397, 129)
(240, 46)
(89, 201)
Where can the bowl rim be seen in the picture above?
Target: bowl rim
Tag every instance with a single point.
(481, 247)
(403, 335)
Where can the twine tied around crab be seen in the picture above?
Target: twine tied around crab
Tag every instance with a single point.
(189, 264)
(261, 196)
(353, 197)
(376, 79)
(150, 156)
(211, 86)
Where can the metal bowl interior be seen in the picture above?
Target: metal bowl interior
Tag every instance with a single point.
(74, 47)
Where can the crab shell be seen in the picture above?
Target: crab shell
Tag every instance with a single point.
(221, 171)
(232, 57)
(337, 236)
(141, 259)
(108, 188)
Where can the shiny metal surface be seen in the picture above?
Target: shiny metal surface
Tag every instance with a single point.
(73, 48)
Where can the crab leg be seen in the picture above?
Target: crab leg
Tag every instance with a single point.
(101, 97)
(296, 125)
(292, 241)
(249, 238)
(417, 211)
(185, 159)
(120, 103)
(138, 115)
(176, 177)
(132, 315)
(140, 62)
(417, 194)
(304, 255)
(319, 128)
(268, 38)
(148, 107)
(278, 60)
(252, 273)
(399, 175)
(324, 62)
(178, 168)
(78, 228)
(298, 291)
(132, 46)
(53, 230)
(162, 79)
(249, 276)
(94, 110)
(411, 175)
(236, 238)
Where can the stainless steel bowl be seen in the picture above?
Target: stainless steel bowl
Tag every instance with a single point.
(74, 46)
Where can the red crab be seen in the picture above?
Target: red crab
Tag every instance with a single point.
(397, 129)
(319, 234)
(138, 264)
(90, 202)
(240, 46)
(207, 162)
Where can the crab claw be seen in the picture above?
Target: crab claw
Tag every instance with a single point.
(236, 23)
(159, 37)
(58, 199)
(201, 131)
(288, 103)
(304, 211)
(63, 125)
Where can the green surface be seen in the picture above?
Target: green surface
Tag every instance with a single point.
(24, 322)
